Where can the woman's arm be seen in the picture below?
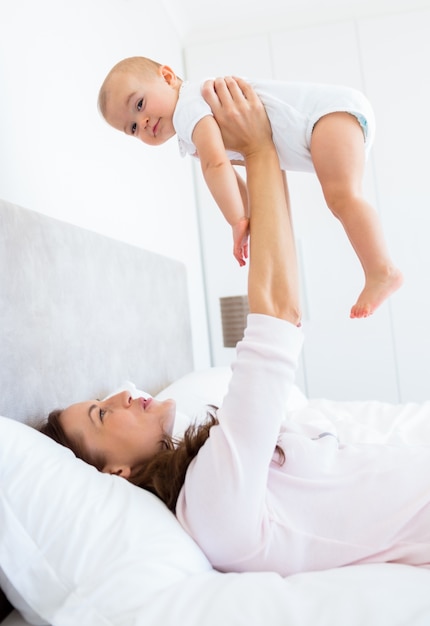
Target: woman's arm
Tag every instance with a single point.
(273, 279)
(224, 501)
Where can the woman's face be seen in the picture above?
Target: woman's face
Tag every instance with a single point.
(120, 434)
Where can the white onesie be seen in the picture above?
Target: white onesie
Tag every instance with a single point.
(293, 110)
(328, 505)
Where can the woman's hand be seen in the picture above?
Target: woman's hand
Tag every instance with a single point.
(240, 114)
(272, 279)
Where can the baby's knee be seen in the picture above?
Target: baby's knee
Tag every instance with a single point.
(340, 200)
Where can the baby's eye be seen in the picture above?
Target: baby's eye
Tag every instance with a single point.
(139, 104)
(102, 413)
(133, 128)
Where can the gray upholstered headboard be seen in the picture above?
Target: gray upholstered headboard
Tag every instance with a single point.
(81, 313)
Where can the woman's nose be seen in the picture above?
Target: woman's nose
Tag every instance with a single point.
(126, 398)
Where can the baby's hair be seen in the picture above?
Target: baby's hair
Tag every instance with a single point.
(138, 66)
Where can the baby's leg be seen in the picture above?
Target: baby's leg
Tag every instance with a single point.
(337, 150)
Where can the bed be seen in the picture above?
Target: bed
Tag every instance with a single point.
(80, 547)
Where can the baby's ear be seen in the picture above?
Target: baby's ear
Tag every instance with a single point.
(168, 74)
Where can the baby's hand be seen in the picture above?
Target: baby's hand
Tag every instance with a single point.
(240, 240)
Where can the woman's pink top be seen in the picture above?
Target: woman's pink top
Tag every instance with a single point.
(326, 506)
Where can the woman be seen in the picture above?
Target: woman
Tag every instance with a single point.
(257, 494)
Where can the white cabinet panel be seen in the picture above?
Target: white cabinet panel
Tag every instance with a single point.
(395, 52)
(343, 358)
(247, 56)
(319, 54)
(359, 365)
(223, 276)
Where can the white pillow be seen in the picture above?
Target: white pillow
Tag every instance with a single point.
(78, 546)
(16, 599)
(197, 389)
(194, 391)
(182, 419)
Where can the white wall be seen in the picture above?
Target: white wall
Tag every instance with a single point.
(60, 158)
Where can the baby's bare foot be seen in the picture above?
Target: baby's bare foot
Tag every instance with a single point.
(376, 290)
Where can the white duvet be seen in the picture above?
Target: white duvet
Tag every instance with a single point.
(123, 560)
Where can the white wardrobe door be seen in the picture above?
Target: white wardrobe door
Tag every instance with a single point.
(343, 358)
(396, 52)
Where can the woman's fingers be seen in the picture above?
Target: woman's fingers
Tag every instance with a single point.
(238, 111)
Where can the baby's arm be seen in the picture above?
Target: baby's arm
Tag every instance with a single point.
(222, 181)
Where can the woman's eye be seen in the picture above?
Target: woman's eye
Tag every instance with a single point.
(139, 104)
(102, 413)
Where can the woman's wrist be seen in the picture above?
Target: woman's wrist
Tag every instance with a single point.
(260, 158)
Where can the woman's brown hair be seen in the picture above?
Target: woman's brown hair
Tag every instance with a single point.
(163, 475)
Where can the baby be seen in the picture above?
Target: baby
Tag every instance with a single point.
(318, 128)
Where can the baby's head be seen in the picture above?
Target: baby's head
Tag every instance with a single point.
(139, 97)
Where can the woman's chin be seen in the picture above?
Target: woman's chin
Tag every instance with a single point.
(169, 420)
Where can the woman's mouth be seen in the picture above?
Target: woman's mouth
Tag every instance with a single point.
(145, 402)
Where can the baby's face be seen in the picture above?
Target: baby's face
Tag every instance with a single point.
(144, 108)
